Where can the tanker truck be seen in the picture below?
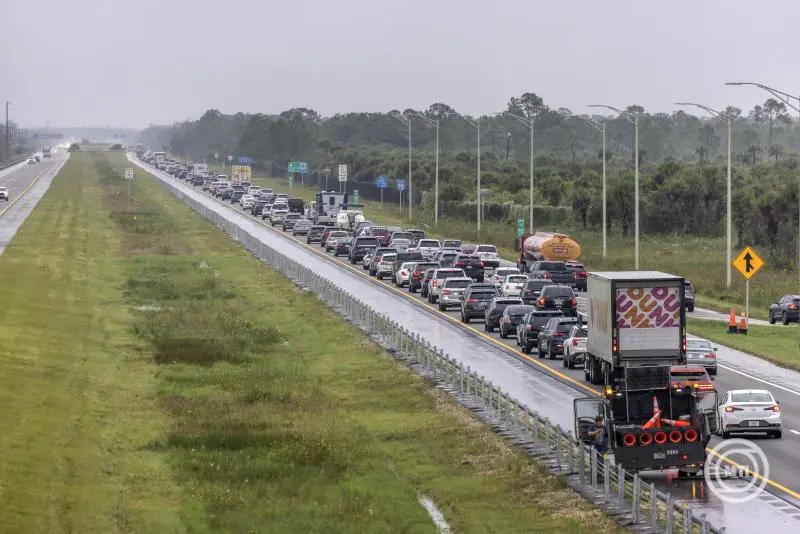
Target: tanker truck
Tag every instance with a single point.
(546, 246)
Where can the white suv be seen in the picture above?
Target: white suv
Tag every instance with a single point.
(488, 255)
(4, 193)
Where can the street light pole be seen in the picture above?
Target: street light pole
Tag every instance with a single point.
(787, 99)
(407, 121)
(600, 127)
(727, 120)
(634, 119)
(529, 124)
(7, 154)
(434, 123)
(477, 124)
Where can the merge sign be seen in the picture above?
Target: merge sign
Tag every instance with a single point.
(748, 263)
(129, 173)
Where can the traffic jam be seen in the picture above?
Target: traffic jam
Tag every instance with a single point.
(537, 308)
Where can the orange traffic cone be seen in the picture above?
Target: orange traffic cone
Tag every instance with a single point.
(732, 323)
(743, 324)
(673, 422)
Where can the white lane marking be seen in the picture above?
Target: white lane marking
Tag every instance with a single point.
(767, 382)
(795, 432)
(436, 514)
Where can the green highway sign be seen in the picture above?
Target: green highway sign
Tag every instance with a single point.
(298, 166)
(520, 227)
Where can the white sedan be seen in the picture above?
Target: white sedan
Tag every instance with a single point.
(750, 410)
(500, 273)
(511, 285)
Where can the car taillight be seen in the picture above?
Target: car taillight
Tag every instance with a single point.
(541, 301)
(731, 409)
(458, 264)
(711, 355)
(403, 273)
(528, 328)
(434, 283)
(792, 307)
(574, 302)
(480, 265)
(471, 301)
(546, 275)
(574, 342)
(774, 408)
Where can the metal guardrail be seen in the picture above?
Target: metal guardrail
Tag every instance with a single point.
(11, 163)
(634, 503)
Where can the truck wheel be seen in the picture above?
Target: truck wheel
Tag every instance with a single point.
(539, 352)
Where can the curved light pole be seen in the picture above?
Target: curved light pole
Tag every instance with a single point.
(633, 118)
(600, 127)
(407, 121)
(529, 124)
(787, 99)
(727, 120)
(434, 123)
(477, 124)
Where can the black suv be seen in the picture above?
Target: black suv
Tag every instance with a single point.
(512, 316)
(531, 290)
(476, 301)
(528, 329)
(558, 298)
(581, 275)
(555, 271)
(787, 309)
(360, 246)
(495, 311)
(688, 295)
(553, 335)
(472, 265)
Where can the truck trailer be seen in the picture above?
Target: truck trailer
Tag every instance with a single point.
(549, 246)
(636, 332)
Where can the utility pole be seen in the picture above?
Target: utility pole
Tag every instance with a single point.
(7, 152)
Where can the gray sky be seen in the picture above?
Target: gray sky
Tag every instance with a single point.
(129, 64)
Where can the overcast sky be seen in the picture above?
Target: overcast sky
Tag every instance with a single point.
(129, 64)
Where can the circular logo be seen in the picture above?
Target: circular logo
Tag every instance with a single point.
(736, 470)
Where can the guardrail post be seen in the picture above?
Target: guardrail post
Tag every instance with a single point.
(527, 422)
(469, 379)
(703, 524)
(571, 452)
(558, 432)
(606, 477)
(636, 497)
(536, 423)
(621, 484)
(581, 462)
(653, 506)
(593, 462)
(670, 512)
(687, 519)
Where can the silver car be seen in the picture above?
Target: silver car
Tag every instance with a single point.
(439, 276)
(452, 291)
(428, 247)
(701, 352)
(401, 245)
(384, 267)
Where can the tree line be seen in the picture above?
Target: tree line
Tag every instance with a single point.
(682, 159)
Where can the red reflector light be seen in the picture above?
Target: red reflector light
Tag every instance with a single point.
(574, 342)
(574, 303)
(660, 437)
(645, 439)
(546, 275)
(629, 440)
(691, 435)
(675, 436)
(470, 301)
(480, 264)
(541, 301)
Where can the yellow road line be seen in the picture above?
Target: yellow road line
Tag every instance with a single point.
(10, 204)
(494, 341)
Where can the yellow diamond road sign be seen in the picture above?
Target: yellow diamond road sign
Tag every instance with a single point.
(748, 262)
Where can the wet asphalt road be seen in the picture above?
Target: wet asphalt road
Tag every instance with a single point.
(26, 185)
(549, 388)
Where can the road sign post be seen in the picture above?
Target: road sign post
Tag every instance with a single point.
(355, 196)
(129, 178)
(342, 177)
(748, 263)
(401, 186)
(381, 183)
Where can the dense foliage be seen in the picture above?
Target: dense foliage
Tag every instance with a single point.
(682, 159)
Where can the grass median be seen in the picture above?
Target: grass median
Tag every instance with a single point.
(158, 378)
(778, 344)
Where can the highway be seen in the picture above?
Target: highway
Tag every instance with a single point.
(548, 387)
(26, 185)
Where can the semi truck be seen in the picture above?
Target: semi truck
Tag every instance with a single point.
(46, 151)
(200, 168)
(328, 204)
(636, 332)
(241, 173)
(161, 160)
(546, 246)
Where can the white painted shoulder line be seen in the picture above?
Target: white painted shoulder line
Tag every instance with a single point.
(436, 515)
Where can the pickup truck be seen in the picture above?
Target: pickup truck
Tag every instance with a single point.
(555, 271)
(4, 193)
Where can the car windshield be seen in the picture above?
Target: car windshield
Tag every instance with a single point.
(388, 257)
(563, 328)
(752, 396)
(367, 242)
(506, 272)
(402, 235)
(407, 265)
(486, 248)
(379, 231)
(457, 284)
(698, 344)
(452, 243)
(517, 310)
(424, 266)
(537, 284)
(429, 243)
(552, 266)
(483, 295)
(558, 292)
(449, 274)
(580, 332)
(467, 258)
(518, 279)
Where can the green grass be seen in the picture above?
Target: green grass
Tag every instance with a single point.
(780, 345)
(157, 378)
